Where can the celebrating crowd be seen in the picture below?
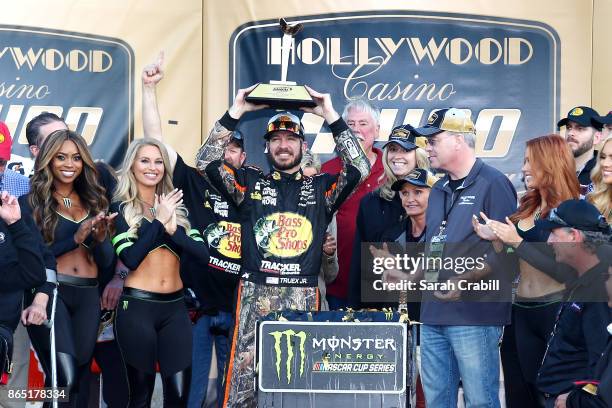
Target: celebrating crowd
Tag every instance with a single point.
(181, 259)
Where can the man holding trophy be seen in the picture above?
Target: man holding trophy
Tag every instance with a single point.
(284, 216)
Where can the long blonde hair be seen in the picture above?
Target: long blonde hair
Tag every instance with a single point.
(422, 161)
(126, 192)
(601, 197)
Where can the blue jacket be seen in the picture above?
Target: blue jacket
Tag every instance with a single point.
(484, 189)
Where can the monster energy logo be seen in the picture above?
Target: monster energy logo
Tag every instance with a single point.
(289, 339)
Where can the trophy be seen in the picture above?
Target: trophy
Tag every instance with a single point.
(283, 94)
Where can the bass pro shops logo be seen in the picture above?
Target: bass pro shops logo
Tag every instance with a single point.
(85, 79)
(284, 235)
(293, 345)
(224, 237)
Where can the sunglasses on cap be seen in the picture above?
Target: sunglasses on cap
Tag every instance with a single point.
(236, 134)
(287, 125)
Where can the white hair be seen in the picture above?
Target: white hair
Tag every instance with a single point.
(361, 105)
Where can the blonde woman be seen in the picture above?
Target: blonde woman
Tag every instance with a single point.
(601, 197)
(152, 325)
(382, 208)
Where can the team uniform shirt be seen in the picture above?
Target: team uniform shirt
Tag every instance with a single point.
(216, 219)
(284, 216)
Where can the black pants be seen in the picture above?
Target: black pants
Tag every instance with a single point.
(77, 317)
(154, 328)
(522, 351)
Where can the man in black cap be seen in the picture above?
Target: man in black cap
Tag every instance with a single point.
(582, 134)
(579, 335)
(284, 216)
(606, 122)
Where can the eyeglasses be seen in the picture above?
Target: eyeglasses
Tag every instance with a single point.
(236, 134)
(284, 125)
(554, 217)
(434, 140)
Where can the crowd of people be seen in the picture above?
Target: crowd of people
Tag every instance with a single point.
(149, 268)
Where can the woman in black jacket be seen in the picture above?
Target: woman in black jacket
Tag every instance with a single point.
(382, 209)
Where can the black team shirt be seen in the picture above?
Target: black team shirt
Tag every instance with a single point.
(216, 219)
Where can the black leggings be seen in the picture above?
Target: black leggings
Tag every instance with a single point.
(522, 351)
(154, 328)
(77, 317)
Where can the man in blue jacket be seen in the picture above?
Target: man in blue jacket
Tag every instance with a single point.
(462, 328)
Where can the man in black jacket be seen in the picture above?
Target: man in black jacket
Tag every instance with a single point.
(579, 335)
(21, 267)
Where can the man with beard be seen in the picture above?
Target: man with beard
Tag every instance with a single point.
(284, 215)
(583, 133)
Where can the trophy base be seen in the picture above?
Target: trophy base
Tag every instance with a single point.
(281, 96)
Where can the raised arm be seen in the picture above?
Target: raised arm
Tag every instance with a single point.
(355, 163)
(209, 158)
(151, 120)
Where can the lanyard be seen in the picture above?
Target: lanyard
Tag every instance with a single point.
(453, 202)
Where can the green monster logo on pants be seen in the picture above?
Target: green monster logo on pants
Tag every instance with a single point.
(289, 336)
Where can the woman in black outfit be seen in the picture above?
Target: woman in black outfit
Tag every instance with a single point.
(550, 179)
(152, 325)
(69, 208)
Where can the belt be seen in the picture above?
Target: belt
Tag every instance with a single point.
(281, 280)
(158, 297)
(76, 280)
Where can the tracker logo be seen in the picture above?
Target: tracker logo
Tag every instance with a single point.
(287, 351)
(280, 268)
(85, 79)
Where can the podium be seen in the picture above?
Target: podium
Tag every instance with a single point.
(333, 359)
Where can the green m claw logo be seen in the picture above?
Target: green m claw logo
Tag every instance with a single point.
(125, 305)
(289, 338)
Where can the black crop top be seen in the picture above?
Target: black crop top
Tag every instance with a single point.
(132, 249)
(535, 251)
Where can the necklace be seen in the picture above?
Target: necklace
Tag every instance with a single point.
(66, 199)
(151, 207)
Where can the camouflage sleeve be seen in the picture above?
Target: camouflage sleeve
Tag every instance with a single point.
(210, 162)
(355, 166)
(213, 147)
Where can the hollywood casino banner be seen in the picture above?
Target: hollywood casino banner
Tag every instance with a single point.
(86, 79)
(505, 72)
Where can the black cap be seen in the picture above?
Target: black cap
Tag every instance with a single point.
(605, 120)
(578, 214)
(237, 138)
(406, 137)
(417, 177)
(583, 115)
